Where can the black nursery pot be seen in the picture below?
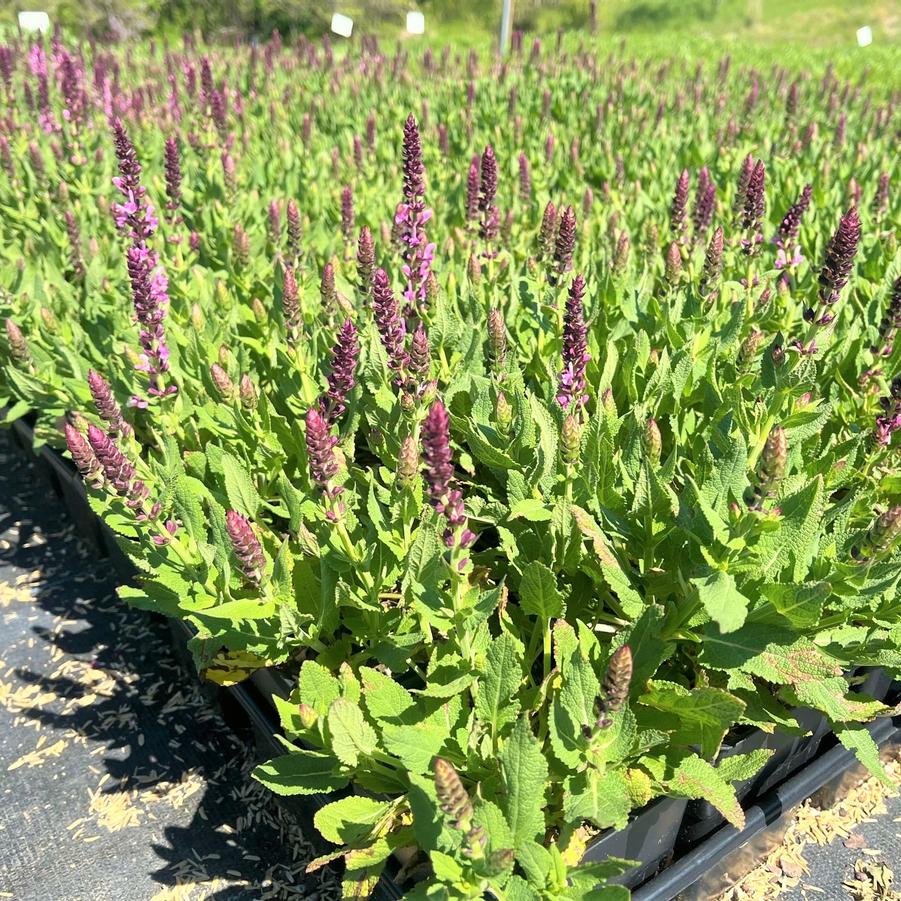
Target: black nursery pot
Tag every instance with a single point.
(649, 838)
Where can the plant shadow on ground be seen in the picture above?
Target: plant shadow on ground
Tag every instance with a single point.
(112, 686)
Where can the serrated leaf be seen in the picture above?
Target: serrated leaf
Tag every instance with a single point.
(301, 773)
(700, 716)
(347, 820)
(740, 767)
(496, 703)
(602, 799)
(318, 687)
(524, 770)
(242, 494)
(696, 778)
(351, 736)
(538, 592)
(722, 600)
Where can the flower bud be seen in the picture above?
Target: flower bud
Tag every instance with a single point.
(225, 387)
(18, 346)
(571, 440)
(246, 547)
(473, 269)
(503, 412)
(652, 442)
(749, 349)
(308, 716)
(773, 463)
(452, 796)
(248, 392)
(885, 530)
(497, 340)
(673, 264)
(408, 463)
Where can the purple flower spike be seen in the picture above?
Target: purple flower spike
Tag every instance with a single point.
(106, 405)
(134, 216)
(547, 233)
(890, 422)
(347, 213)
(571, 388)
(388, 321)
(840, 253)
(489, 216)
(246, 546)
(412, 216)
(741, 189)
(82, 453)
(679, 210)
(525, 181)
(365, 261)
(754, 208)
(323, 461)
(564, 245)
(341, 379)
(791, 221)
(891, 322)
(473, 181)
(173, 178)
(704, 204)
(445, 498)
(118, 470)
(149, 291)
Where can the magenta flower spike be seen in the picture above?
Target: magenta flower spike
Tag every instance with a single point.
(246, 547)
(323, 462)
(342, 375)
(445, 497)
(107, 408)
(412, 216)
(82, 453)
(489, 215)
(571, 389)
(391, 327)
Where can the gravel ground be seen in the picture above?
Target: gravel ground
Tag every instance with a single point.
(118, 780)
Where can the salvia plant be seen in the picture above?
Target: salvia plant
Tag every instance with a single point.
(538, 472)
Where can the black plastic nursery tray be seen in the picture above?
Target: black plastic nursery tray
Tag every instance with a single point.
(684, 848)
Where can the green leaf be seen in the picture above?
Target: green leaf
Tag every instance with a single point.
(242, 494)
(739, 767)
(725, 604)
(602, 799)
(318, 687)
(767, 652)
(417, 744)
(386, 701)
(573, 708)
(696, 778)
(856, 738)
(700, 716)
(301, 773)
(496, 703)
(538, 592)
(351, 736)
(530, 509)
(525, 772)
(346, 821)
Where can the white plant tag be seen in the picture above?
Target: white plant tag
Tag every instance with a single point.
(342, 25)
(34, 21)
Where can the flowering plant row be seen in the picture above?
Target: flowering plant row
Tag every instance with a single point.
(544, 443)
